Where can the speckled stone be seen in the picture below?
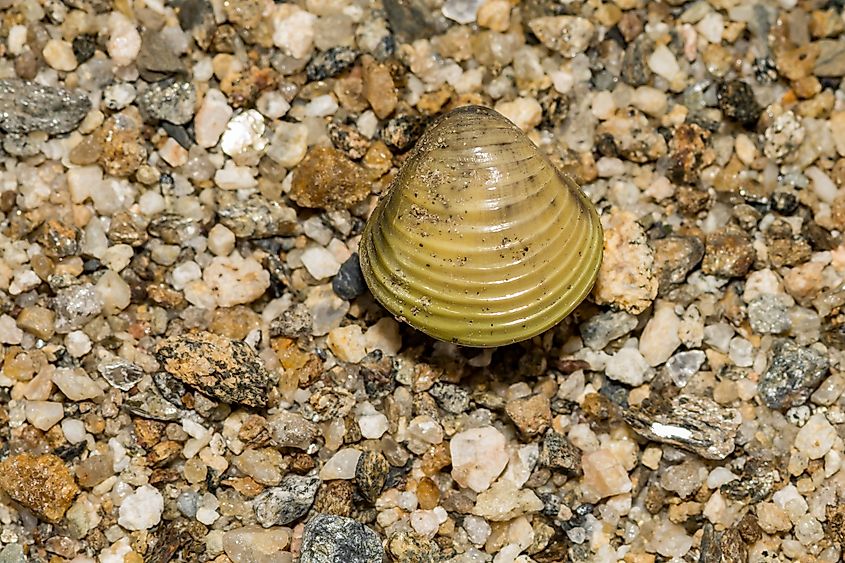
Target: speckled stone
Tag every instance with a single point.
(335, 539)
(225, 369)
(42, 483)
(794, 373)
(26, 106)
(279, 506)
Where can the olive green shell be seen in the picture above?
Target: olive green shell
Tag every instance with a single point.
(480, 240)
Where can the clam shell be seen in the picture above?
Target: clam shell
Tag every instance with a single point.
(480, 240)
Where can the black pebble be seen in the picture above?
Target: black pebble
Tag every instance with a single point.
(737, 102)
(349, 281)
(84, 47)
(784, 203)
(330, 63)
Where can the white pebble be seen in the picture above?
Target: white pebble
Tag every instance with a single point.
(234, 177)
(17, 39)
(663, 62)
(272, 104)
(347, 343)
(373, 426)
(244, 133)
(211, 119)
(478, 457)
(77, 343)
(293, 30)
(319, 262)
(822, 184)
(185, 273)
(74, 430)
(627, 366)
(525, 113)
(342, 465)
(321, 106)
(221, 241)
(43, 414)
(9, 331)
(151, 203)
(816, 437)
(383, 335)
(124, 42)
(142, 509)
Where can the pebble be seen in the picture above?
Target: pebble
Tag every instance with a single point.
(225, 369)
(330, 63)
(693, 423)
(478, 457)
(291, 430)
(320, 262)
(253, 544)
(371, 474)
(235, 280)
(168, 101)
(124, 41)
(559, 453)
(628, 366)
(327, 179)
(12, 553)
(293, 30)
(26, 107)
(737, 102)
(212, 118)
(603, 328)
(342, 465)
(330, 539)
(674, 258)
(142, 509)
(663, 63)
(253, 218)
(373, 426)
(659, 338)
(41, 483)
(531, 415)
(794, 373)
(244, 134)
(347, 343)
(44, 414)
(279, 506)
(816, 437)
(383, 336)
(604, 476)
(503, 502)
(525, 113)
(349, 282)
(289, 144)
(413, 548)
(568, 35)
(59, 55)
(461, 11)
(728, 253)
(626, 277)
(76, 385)
(769, 314)
(683, 365)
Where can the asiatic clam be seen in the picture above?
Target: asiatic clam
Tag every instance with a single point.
(480, 240)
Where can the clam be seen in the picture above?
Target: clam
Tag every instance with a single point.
(480, 240)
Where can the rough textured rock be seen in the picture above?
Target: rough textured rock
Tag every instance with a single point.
(279, 506)
(42, 483)
(335, 539)
(225, 369)
(793, 374)
(27, 106)
(327, 179)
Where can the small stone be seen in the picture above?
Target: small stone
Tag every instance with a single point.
(478, 457)
(414, 19)
(27, 106)
(728, 253)
(794, 373)
(76, 385)
(347, 343)
(142, 509)
(628, 366)
(349, 282)
(697, 424)
(122, 148)
(604, 475)
(84, 46)
(449, 397)
(341, 465)
(279, 506)
(168, 101)
(664, 63)
(379, 89)
(383, 336)
(503, 502)
(336, 498)
(413, 548)
(674, 258)
(289, 144)
(9, 331)
(244, 134)
(335, 539)
(235, 280)
(532, 415)
(252, 544)
(330, 63)
(568, 35)
(816, 437)
(327, 179)
(41, 483)
(12, 553)
(124, 41)
(525, 113)
(495, 15)
(769, 314)
(602, 329)
(626, 279)
(783, 136)
(156, 59)
(659, 338)
(43, 414)
(225, 369)
(320, 262)
(683, 365)
(212, 118)
(559, 453)
(291, 430)
(737, 102)
(293, 30)
(253, 218)
(402, 131)
(371, 474)
(831, 59)
(120, 373)
(59, 55)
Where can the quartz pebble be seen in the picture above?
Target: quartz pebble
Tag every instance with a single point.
(816, 437)
(142, 509)
(478, 457)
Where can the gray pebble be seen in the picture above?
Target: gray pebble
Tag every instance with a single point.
(793, 374)
(336, 539)
(769, 314)
(603, 329)
(279, 506)
(349, 282)
(168, 101)
(451, 398)
(27, 106)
